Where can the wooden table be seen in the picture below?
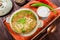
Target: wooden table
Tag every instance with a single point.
(4, 34)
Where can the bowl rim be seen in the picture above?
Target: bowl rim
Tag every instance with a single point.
(46, 8)
(35, 29)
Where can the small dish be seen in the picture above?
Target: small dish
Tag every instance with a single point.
(5, 7)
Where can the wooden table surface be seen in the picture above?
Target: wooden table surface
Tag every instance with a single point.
(4, 34)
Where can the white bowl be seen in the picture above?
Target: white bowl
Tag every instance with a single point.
(43, 11)
(5, 6)
(37, 26)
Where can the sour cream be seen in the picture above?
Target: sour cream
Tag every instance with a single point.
(43, 11)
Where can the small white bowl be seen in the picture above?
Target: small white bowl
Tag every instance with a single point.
(37, 26)
(43, 11)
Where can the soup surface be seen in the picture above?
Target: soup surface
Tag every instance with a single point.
(23, 21)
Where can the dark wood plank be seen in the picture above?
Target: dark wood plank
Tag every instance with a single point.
(4, 34)
(56, 34)
(57, 2)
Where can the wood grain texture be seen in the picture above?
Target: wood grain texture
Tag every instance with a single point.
(4, 34)
(55, 35)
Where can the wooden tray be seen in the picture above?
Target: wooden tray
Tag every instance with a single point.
(44, 32)
(46, 22)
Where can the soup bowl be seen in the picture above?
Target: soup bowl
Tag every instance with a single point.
(39, 23)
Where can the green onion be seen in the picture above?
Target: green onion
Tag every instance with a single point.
(23, 30)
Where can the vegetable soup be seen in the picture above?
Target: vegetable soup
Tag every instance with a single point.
(23, 21)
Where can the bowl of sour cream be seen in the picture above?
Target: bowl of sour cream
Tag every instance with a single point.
(43, 11)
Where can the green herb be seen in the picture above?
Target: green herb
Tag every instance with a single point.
(42, 4)
(23, 30)
(22, 20)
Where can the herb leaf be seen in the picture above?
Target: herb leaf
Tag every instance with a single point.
(22, 20)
